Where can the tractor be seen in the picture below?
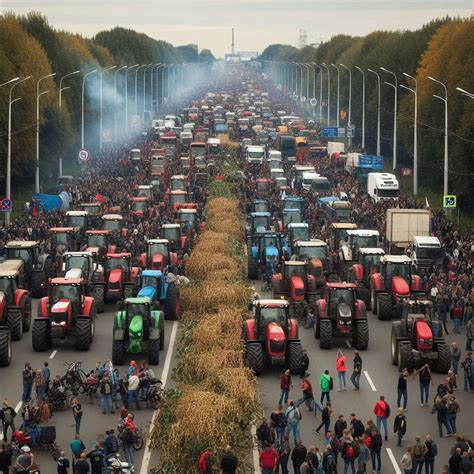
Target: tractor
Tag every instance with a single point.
(290, 216)
(155, 285)
(361, 271)
(98, 243)
(158, 256)
(417, 338)
(66, 311)
(260, 205)
(271, 336)
(293, 202)
(264, 187)
(178, 241)
(38, 266)
(189, 219)
(176, 200)
(63, 239)
(266, 253)
(145, 190)
(392, 285)
(340, 314)
(114, 223)
(15, 302)
(94, 211)
(297, 231)
(338, 211)
(119, 276)
(138, 328)
(178, 182)
(140, 207)
(258, 222)
(79, 219)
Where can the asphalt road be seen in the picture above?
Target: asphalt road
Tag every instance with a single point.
(93, 422)
(379, 377)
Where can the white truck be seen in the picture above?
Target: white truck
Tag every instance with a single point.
(255, 154)
(383, 186)
(403, 225)
(352, 163)
(335, 147)
(426, 251)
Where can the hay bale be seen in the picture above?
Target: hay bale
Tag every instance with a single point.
(200, 264)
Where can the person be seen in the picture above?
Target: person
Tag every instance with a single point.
(341, 367)
(382, 412)
(285, 385)
(406, 463)
(469, 334)
(329, 461)
(419, 450)
(77, 414)
(425, 378)
(339, 426)
(25, 461)
(115, 379)
(264, 434)
(457, 318)
(229, 461)
(441, 410)
(293, 418)
(77, 447)
(268, 460)
(402, 389)
(375, 450)
(466, 463)
(307, 390)
(278, 419)
(455, 462)
(356, 426)
(303, 364)
(313, 459)
(8, 418)
(63, 464)
(357, 370)
(326, 384)
(46, 375)
(430, 454)
(133, 383)
(453, 410)
(81, 466)
(363, 457)
(298, 456)
(5, 458)
(467, 367)
(96, 457)
(400, 426)
(349, 451)
(111, 444)
(284, 454)
(40, 384)
(127, 444)
(106, 394)
(206, 461)
(28, 378)
(325, 419)
(455, 357)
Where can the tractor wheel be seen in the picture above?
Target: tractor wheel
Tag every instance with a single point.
(128, 291)
(397, 332)
(362, 335)
(40, 335)
(444, 358)
(384, 303)
(317, 325)
(5, 347)
(26, 312)
(364, 295)
(405, 356)
(117, 352)
(154, 352)
(172, 303)
(325, 334)
(92, 316)
(99, 298)
(255, 358)
(83, 334)
(252, 269)
(38, 284)
(373, 300)
(294, 356)
(48, 270)
(15, 324)
(162, 334)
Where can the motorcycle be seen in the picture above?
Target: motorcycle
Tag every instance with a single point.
(46, 440)
(60, 398)
(116, 466)
(150, 391)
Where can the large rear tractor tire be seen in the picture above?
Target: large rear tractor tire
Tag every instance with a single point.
(396, 334)
(128, 291)
(373, 300)
(117, 352)
(5, 348)
(364, 295)
(162, 334)
(26, 312)
(444, 358)
(99, 298)
(362, 335)
(38, 284)
(384, 303)
(40, 335)
(15, 324)
(317, 327)
(83, 334)
(172, 303)
(154, 352)
(252, 269)
(405, 356)
(294, 356)
(254, 356)
(325, 333)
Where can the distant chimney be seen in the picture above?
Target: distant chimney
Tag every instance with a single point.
(233, 51)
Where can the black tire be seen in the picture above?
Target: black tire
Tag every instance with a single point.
(56, 452)
(362, 335)
(99, 298)
(25, 304)
(15, 324)
(325, 335)
(294, 357)
(254, 356)
(364, 295)
(444, 358)
(40, 335)
(384, 303)
(317, 327)
(405, 356)
(397, 332)
(38, 284)
(155, 402)
(373, 300)
(83, 334)
(172, 303)
(137, 442)
(252, 269)
(162, 334)
(5, 348)
(154, 352)
(48, 269)
(117, 352)
(128, 291)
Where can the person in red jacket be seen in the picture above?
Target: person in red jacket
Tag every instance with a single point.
(285, 385)
(341, 367)
(382, 412)
(268, 460)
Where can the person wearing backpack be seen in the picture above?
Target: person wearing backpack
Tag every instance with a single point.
(284, 454)
(376, 444)
(111, 444)
(293, 418)
(382, 412)
(453, 410)
(106, 394)
(264, 434)
(357, 427)
(430, 454)
(419, 450)
(400, 426)
(278, 419)
(326, 385)
(349, 451)
(205, 462)
(329, 461)
(127, 444)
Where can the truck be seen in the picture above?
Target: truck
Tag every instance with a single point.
(425, 251)
(383, 186)
(255, 154)
(402, 225)
(359, 165)
(286, 144)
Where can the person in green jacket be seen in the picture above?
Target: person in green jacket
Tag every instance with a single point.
(325, 383)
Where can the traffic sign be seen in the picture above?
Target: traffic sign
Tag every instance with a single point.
(6, 204)
(83, 155)
(449, 201)
(407, 172)
(324, 103)
(330, 132)
(313, 102)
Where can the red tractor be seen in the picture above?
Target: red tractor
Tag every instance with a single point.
(271, 337)
(140, 206)
(158, 256)
(63, 239)
(120, 277)
(417, 338)
(392, 285)
(178, 240)
(296, 285)
(66, 311)
(98, 243)
(341, 314)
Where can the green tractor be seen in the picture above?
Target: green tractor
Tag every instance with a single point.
(138, 328)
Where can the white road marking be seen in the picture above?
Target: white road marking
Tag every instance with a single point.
(367, 376)
(164, 377)
(53, 354)
(18, 406)
(348, 344)
(394, 461)
(255, 453)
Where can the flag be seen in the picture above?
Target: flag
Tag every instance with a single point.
(99, 198)
(219, 177)
(35, 211)
(427, 204)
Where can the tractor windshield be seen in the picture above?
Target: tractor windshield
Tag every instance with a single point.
(361, 241)
(295, 270)
(274, 315)
(76, 221)
(150, 281)
(261, 221)
(177, 184)
(112, 224)
(262, 187)
(66, 292)
(160, 248)
(299, 233)
(112, 263)
(261, 206)
(171, 233)
(6, 287)
(291, 217)
(188, 218)
(371, 261)
(308, 253)
(23, 254)
(144, 192)
(135, 309)
(78, 262)
(97, 240)
(398, 269)
(341, 295)
(178, 198)
(343, 215)
(60, 238)
(92, 210)
(292, 204)
(138, 206)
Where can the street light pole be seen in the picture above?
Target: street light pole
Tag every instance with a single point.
(126, 97)
(378, 109)
(157, 66)
(61, 89)
(83, 93)
(329, 92)
(395, 88)
(136, 87)
(350, 92)
(415, 133)
(115, 100)
(101, 107)
(363, 105)
(10, 81)
(465, 93)
(445, 100)
(38, 95)
(144, 87)
(338, 90)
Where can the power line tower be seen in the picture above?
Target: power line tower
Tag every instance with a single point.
(303, 39)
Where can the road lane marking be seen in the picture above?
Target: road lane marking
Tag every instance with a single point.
(348, 344)
(367, 376)
(53, 354)
(164, 377)
(394, 461)
(255, 453)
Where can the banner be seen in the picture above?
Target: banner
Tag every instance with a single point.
(49, 202)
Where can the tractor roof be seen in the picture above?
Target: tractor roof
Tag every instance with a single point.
(112, 217)
(138, 300)
(178, 191)
(421, 301)
(145, 186)
(152, 273)
(263, 180)
(311, 243)
(426, 240)
(293, 198)
(170, 226)
(340, 204)
(297, 225)
(13, 265)
(178, 176)
(294, 263)
(159, 241)
(271, 303)
(372, 251)
(67, 281)
(77, 213)
(184, 210)
(405, 259)
(260, 214)
(119, 255)
(23, 244)
(90, 204)
(63, 230)
(98, 232)
(342, 285)
(260, 201)
(77, 254)
(363, 232)
(344, 225)
(139, 199)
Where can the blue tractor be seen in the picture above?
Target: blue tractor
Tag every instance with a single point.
(257, 222)
(266, 253)
(156, 286)
(260, 205)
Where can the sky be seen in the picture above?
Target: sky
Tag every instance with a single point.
(257, 23)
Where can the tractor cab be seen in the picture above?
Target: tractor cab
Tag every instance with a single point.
(177, 199)
(293, 202)
(396, 273)
(118, 261)
(263, 186)
(369, 260)
(64, 239)
(146, 191)
(260, 205)
(201, 179)
(26, 250)
(98, 242)
(81, 261)
(417, 309)
(78, 219)
(291, 216)
(271, 313)
(338, 211)
(189, 219)
(139, 206)
(259, 222)
(94, 211)
(151, 282)
(315, 252)
(277, 173)
(338, 234)
(341, 303)
(112, 222)
(297, 231)
(355, 240)
(178, 182)
(270, 249)
(12, 278)
(65, 300)
(174, 234)
(158, 164)
(135, 156)
(157, 256)
(133, 307)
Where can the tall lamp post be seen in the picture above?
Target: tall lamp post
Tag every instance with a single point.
(126, 96)
(101, 103)
(144, 86)
(445, 100)
(415, 132)
(465, 93)
(350, 92)
(121, 68)
(363, 105)
(83, 94)
(338, 91)
(395, 88)
(329, 92)
(378, 109)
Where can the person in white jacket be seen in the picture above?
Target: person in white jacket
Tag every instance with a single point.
(406, 463)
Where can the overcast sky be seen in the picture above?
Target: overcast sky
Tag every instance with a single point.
(257, 23)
